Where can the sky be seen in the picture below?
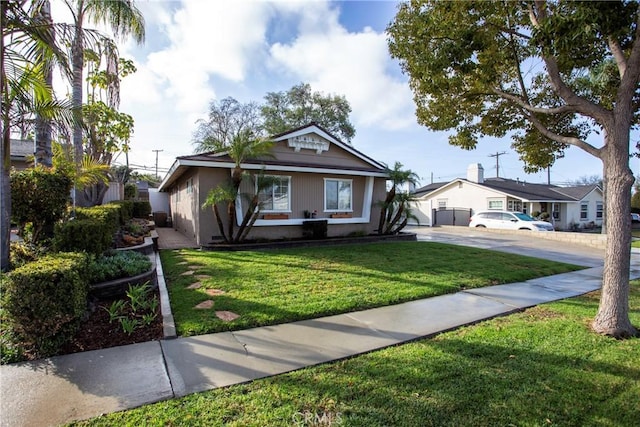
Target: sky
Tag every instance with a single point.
(199, 51)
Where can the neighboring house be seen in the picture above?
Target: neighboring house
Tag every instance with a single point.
(568, 207)
(317, 174)
(21, 153)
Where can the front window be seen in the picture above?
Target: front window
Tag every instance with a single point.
(584, 211)
(514, 205)
(495, 204)
(275, 197)
(442, 203)
(556, 211)
(338, 195)
(599, 210)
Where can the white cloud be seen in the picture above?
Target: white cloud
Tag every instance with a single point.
(356, 65)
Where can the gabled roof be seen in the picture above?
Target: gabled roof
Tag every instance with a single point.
(223, 160)
(520, 190)
(429, 188)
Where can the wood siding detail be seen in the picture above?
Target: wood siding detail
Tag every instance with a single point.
(335, 157)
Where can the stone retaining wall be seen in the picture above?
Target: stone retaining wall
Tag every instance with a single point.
(593, 240)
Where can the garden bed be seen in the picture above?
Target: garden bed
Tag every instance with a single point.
(302, 243)
(97, 332)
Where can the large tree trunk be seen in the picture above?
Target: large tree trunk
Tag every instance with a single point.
(613, 313)
(5, 197)
(44, 155)
(5, 161)
(77, 64)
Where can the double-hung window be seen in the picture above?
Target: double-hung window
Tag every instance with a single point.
(584, 211)
(599, 210)
(338, 195)
(276, 195)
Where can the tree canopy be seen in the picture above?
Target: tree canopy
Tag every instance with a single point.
(299, 106)
(549, 74)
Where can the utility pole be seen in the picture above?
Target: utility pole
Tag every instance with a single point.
(497, 156)
(157, 151)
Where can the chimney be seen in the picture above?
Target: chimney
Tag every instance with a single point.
(475, 173)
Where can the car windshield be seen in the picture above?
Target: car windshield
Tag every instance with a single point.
(523, 217)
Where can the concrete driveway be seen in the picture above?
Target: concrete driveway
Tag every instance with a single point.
(523, 244)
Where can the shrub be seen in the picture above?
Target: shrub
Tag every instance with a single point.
(110, 214)
(118, 264)
(84, 235)
(44, 300)
(130, 191)
(39, 197)
(25, 252)
(126, 209)
(141, 209)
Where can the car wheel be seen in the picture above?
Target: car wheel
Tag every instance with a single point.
(480, 226)
(524, 228)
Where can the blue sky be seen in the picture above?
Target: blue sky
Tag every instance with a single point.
(198, 51)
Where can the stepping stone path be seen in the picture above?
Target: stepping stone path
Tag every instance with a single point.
(227, 316)
(187, 273)
(214, 292)
(205, 305)
(202, 277)
(183, 263)
(193, 267)
(195, 285)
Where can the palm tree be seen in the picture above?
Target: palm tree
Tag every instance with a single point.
(240, 147)
(43, 128)
(123, 18)
(23, 45)
(395, 209)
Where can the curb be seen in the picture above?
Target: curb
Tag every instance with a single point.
(168, 324)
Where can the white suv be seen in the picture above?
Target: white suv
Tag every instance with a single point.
(508, 221)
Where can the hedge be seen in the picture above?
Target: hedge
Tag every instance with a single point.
(126, 209)
(141, 209)
(44, 300)
(84, 235)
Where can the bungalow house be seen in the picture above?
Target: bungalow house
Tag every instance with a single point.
(317, 177)
(568, 207)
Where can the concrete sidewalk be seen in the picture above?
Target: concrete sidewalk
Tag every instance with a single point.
(83, 385)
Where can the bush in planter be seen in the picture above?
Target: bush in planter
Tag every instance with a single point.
(141, 209)
(44, 300)
(84, 235)
(118, 264)
(126, 209)
(110, 214)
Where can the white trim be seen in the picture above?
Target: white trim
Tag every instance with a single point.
(350, 181)
(307, 143)
(283, 168)
(299, 221)
(367, 198)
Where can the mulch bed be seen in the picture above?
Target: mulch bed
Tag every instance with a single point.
(98, 333)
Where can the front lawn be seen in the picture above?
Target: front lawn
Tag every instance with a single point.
(536, 368)
(270, 287)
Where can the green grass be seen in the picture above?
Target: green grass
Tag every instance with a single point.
(271, 287)
(536, 368)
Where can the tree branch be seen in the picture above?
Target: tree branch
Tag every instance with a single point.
(569, 140)
(581, 105)
(618, 55)
(629, 80)
(557, 110)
